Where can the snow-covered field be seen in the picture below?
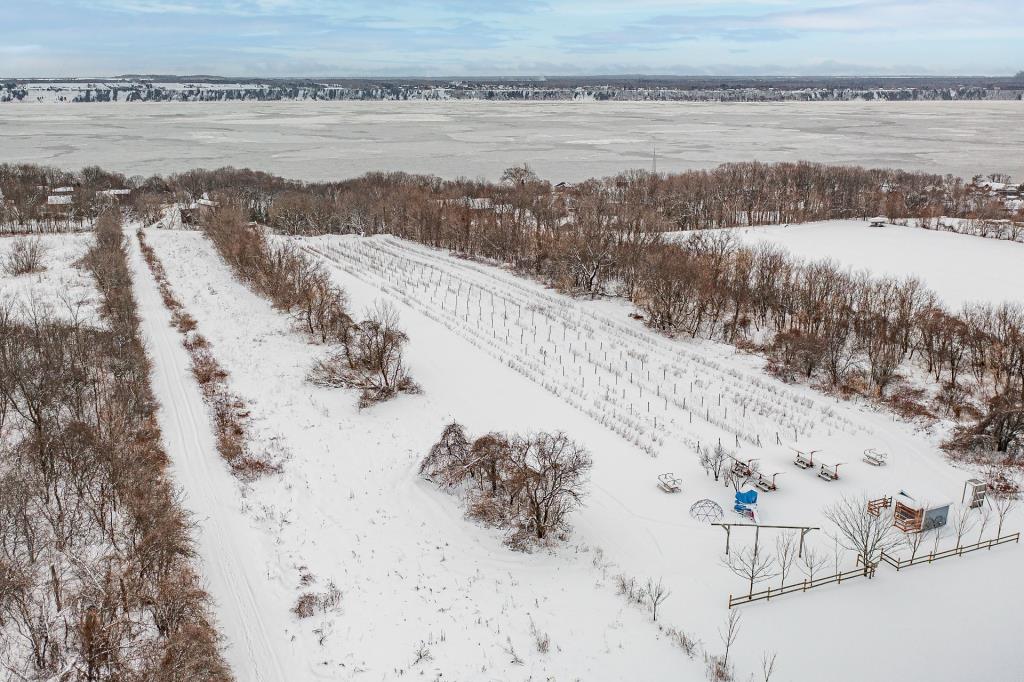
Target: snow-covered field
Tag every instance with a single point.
(497, 352)
(62, 288)
(561, 140)
(959, 268)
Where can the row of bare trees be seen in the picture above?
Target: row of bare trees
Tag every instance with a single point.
(526, 484)
(817, 322)
(370, 353)
(96, 576)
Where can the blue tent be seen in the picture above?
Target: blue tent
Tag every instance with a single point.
(747, 497)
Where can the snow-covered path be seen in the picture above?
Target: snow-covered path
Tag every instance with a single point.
(224, 537)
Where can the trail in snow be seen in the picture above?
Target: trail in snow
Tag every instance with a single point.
(224, 537)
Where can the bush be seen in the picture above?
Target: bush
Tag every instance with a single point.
(25, 257)
(528, 485)
(371, 359)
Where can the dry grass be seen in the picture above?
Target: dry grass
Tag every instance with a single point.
(229, 411)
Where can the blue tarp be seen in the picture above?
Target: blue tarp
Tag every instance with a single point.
(746, 497)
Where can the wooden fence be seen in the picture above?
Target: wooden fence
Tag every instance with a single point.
(898, 563)
(775, 592)
(869, 572)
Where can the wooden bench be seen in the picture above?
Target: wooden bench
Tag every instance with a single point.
(804, 462)
(829, 472)
(766, 484)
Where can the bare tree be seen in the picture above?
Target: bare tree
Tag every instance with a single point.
(448, 459)
(752, 566)
(963, 522)
(730, 634)
(985, 513)
(811, 563)
(786, 547)
(713, 460)
(866, 534)
(1002, 506)
(768, 665)
(912, 541)
(549, 472)
(656, 593)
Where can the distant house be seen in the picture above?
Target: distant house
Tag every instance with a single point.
(114, 196)
(198, 210)
(58, 206)
(878, 221)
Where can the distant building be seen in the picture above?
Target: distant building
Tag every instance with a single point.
(198, 210)
(57, 206)
(114, 196)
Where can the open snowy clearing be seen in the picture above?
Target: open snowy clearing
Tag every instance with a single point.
(959, 268)
(349, 509)
(561, 140)
(497, 352)
(63, 288)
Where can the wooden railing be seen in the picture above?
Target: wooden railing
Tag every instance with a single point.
(869, 571)
(898, 563)
(771, 593)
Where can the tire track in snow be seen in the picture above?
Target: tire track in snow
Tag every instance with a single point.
(224, 539)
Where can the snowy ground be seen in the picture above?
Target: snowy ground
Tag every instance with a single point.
(350, 509)
(561, 140)
(959, 268)
(65, 289)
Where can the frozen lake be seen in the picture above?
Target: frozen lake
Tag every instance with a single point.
(561, 140)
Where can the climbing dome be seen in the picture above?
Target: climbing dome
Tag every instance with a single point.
(707, 511)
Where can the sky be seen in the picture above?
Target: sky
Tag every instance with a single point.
(45, 38)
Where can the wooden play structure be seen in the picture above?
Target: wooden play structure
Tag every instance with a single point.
(875, 458)
(669, 483)
(907, 518)
(875, 507)
(974, 493)
(919, 519)
(727, 527)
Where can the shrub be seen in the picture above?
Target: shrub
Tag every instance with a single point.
(25, 257)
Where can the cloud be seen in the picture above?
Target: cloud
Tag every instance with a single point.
(465, 37)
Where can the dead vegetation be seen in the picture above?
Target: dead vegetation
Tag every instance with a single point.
(368, 355)
(527, 485)
(229, 411)
(96, 580)
(25, 257)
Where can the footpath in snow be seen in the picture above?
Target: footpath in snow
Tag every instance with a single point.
(224, 537)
